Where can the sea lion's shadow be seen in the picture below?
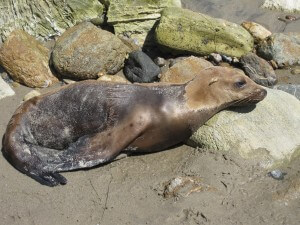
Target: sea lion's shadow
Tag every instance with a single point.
(244, 109)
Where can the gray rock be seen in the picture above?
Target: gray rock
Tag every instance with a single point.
(277, 174)
(135, 19)
(284, 49)
(84, 50)
(293, 89)
(160, 61)
(47, 18)
(5, 89)
(268, 134)
(258, 70)
(216, 58)
(140, 68)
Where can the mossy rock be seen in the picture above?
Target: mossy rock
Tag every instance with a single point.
(182, 30)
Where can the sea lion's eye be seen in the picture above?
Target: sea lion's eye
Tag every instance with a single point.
(240, 83)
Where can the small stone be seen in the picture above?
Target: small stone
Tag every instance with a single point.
(140, 68)
(258, 32)
(226, 58)
(235, 60)
(291, 18)
(277, 174)
(31, 94)
(160, 61)
(216, 58)
(258, 70)
(273, 64)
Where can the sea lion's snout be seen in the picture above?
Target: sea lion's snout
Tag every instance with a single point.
(262, 94)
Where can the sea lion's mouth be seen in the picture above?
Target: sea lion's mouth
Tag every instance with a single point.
(256, 97)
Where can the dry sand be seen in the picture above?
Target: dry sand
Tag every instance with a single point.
(229, 190)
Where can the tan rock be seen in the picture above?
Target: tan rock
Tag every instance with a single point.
(84, 50)
(258, 32)
(185, 70)
(26, 60)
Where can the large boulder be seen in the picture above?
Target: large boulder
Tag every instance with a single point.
(26, 60)
(283, 5)
(187, 31)
(135, 19)
(84, 50)
(268, 134)
(293, 89)
(44, 19)
(282, 48)
(185, 70)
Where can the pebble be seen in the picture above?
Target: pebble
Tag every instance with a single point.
(277, 174)
(290, 18)
(160, 61)
(226, 58)
(273, 64)
(216, 58)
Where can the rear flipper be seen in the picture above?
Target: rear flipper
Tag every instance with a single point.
(49, 179)
(89, 150)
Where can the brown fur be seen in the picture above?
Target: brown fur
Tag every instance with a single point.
(90, 122)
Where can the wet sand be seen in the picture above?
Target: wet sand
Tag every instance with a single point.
(131, 191)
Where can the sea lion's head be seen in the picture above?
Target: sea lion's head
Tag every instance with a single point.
(220, 87)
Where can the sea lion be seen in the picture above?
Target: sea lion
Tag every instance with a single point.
(91, 122)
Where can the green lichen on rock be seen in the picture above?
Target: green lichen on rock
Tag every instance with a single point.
(187, 31)
(45, 18)
(135, 19)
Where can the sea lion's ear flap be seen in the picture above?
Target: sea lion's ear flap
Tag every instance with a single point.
(213, 80)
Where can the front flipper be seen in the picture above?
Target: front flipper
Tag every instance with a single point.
(94, 149)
